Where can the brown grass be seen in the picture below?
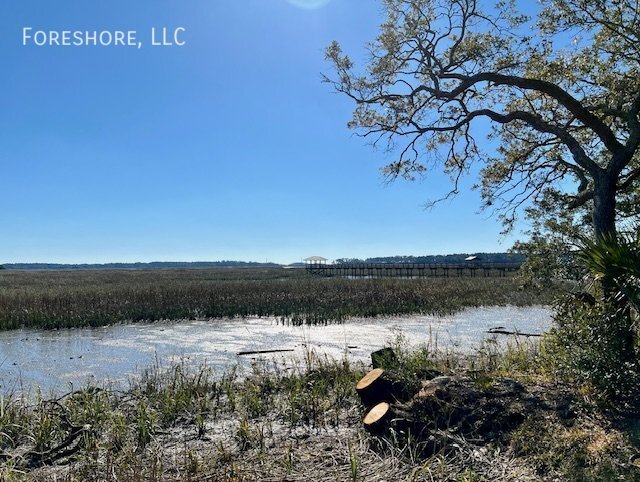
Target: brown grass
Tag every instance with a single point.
(55, 299)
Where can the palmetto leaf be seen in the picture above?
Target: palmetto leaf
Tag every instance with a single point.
(615, 259)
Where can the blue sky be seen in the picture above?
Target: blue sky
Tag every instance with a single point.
(229, 147)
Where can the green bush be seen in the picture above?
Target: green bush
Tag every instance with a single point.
(595, 341)
(590, 346)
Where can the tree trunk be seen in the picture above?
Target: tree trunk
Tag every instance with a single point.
(604, 218)
(604, 205)
(604, 224)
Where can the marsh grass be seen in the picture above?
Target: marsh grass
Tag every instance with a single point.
(300, 422)
(57, 299)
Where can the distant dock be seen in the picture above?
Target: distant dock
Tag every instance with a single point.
(412, 270)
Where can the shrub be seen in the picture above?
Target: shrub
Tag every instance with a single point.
(589, 346)
(596, 340)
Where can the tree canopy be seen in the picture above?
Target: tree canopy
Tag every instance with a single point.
(559, 85)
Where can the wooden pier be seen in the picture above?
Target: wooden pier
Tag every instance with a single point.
(412, 270)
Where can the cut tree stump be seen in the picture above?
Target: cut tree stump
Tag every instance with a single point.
(384, 358)
(435, 409)
(385, 415)
(372, 388)
(381, 385)
(375, 421)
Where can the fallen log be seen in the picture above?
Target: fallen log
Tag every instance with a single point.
(501, 331)
(261, 352)
(69, 446)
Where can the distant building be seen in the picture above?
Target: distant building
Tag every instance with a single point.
(315, 260)
(472, 259)
(315, 264)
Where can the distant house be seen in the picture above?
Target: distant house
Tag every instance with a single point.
(471, 259)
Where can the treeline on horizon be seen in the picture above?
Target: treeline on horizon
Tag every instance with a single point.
(151, 265)
(440, 259)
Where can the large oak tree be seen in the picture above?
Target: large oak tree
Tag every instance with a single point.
(559, 84)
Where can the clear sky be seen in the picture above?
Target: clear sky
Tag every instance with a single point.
(229, 147)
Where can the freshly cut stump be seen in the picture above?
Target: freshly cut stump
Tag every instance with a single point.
(372, 388)
(385, 415)
(381, 385)
(376, 419)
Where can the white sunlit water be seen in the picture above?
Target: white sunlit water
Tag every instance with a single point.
(53, 360)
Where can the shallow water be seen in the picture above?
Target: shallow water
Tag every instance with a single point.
(53, 360)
